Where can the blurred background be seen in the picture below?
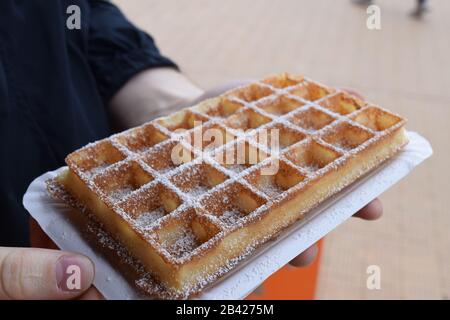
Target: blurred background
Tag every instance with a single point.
(404, 67)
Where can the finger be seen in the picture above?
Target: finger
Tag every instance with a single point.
(306, 257)
(38, 239)
(372, 211)
(43, 274)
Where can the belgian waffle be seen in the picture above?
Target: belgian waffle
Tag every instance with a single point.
(188, 214)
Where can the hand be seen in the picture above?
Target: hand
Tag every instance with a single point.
(32, 273)
(41, 273)
(372, 211)
(150, 94)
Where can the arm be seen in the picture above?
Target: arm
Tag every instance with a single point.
(151, 93)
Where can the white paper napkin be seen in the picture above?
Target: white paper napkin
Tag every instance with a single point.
(56, 219)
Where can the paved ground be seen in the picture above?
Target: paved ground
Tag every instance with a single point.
(404, 66)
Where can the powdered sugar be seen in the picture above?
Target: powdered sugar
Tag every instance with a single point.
(310, 119)
(148, 218)
(184, 244)
(197, 191)
(270, 188)
(231, 217)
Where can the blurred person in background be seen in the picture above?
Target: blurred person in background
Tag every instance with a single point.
(418, 12)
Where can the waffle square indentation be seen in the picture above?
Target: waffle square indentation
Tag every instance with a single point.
(198, 179)
(311, 155)
(251, 92)
(231, 203)
(246, 120)
(376, 118)
(310, 91)
(95, 158)
(280, 105)
(150, 204)
(311, 119)
(119, 181)
(142, 138)
(342, 103)
(275, 177)
(181, 234)
(346, 136)
(168, 156)
(240, 156)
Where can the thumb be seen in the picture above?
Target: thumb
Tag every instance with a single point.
(27, 273)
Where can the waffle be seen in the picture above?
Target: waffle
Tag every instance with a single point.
(188, 213)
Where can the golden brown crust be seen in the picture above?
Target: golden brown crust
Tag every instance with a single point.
(190, 218)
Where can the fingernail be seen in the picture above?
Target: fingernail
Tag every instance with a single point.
(74, 273)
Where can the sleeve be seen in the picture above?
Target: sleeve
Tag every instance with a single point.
(118, 49)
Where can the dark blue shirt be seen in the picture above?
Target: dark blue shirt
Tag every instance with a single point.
(54, 85)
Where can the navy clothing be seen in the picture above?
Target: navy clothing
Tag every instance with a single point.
(54, 85)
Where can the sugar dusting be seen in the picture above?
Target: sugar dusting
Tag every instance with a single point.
(98, 169)
(197, 191)
(270, 188)
(237, 168)
(148, 218)
(186, 246)
(120, 193)
(231, 217)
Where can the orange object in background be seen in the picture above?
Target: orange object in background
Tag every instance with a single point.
(290, 283)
